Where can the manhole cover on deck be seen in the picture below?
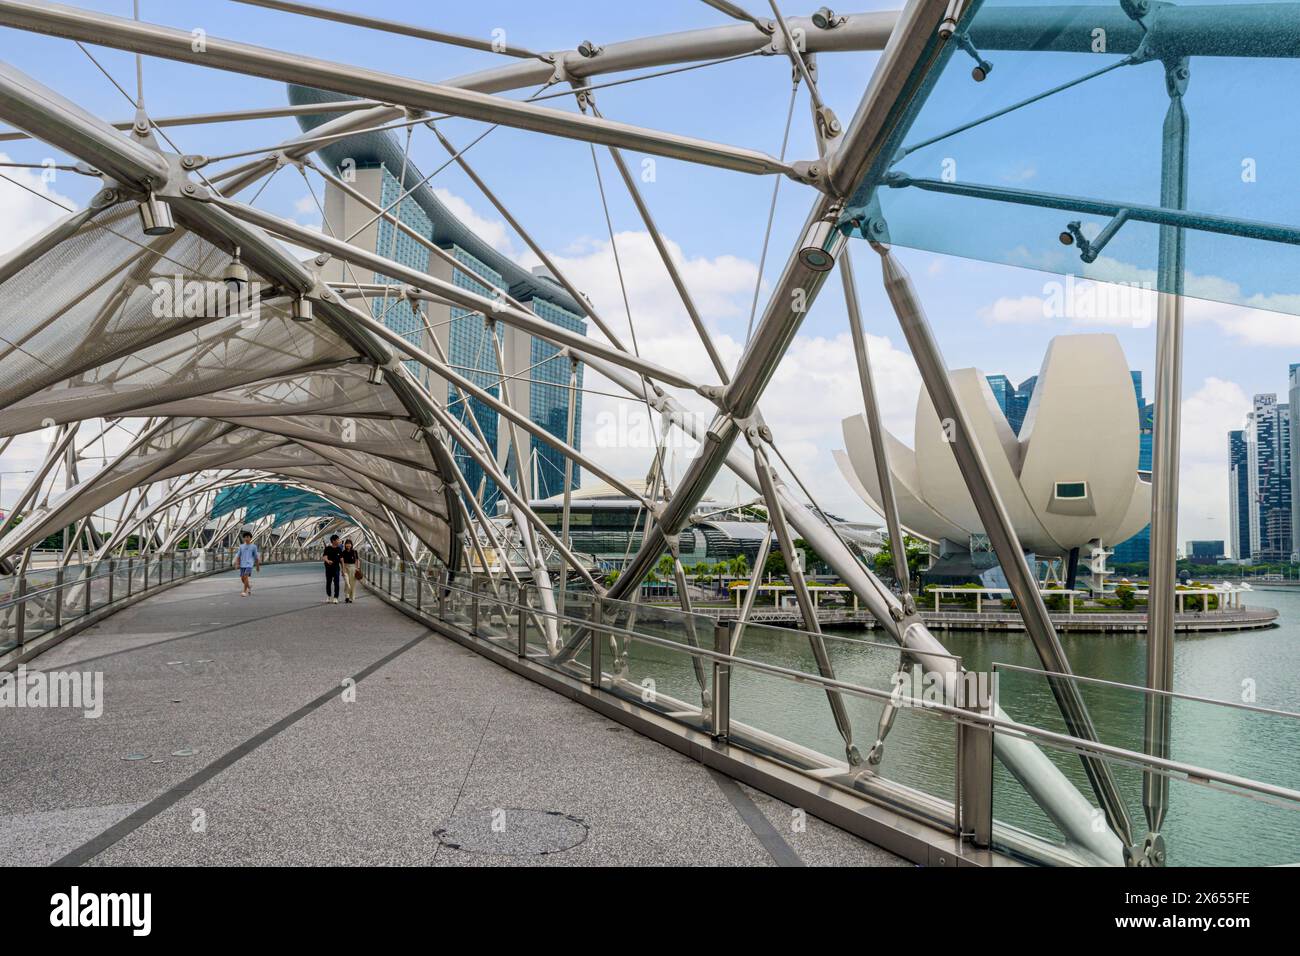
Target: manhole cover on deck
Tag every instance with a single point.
(513, 831)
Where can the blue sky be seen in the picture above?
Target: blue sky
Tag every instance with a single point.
(986, 315)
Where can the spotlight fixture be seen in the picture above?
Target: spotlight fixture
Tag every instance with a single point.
(820, 245)
(589, 49)
(156, 217)
(236, 273)
(302, 309)
(375, 375)
(825, 19)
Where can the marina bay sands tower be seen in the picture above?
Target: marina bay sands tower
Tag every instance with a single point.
(537, 376)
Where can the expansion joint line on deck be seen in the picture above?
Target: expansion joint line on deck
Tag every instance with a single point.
(169, 798)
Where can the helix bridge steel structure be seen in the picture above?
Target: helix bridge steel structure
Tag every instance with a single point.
(215, 405)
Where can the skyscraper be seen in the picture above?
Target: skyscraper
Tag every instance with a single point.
(1293, 395)
(1239, 496)
(1138, 547)
(536, 375)
(1002, 390)
(1268, 467)
(1014, 401)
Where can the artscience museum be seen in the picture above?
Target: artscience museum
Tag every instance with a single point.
(1069, 481)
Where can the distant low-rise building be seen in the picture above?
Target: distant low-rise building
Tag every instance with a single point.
(1204, 550)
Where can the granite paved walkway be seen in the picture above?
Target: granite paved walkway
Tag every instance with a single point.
(281, 730)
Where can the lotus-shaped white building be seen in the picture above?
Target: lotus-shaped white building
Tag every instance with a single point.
(1069, 479)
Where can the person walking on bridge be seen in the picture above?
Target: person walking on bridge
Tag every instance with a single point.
(248, 557)
(351, 559)
(332, 557)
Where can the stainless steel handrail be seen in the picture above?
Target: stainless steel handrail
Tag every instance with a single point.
(1150, 690)
(1190, 772)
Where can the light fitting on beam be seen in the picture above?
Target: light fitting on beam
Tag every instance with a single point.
(235, 275)
(302, 309)
(825, 19)
(376, 375)
(820, 245)
(156, 217)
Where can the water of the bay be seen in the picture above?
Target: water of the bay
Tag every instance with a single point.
(1204, 826)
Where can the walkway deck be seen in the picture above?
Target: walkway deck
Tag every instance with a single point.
(284, 771)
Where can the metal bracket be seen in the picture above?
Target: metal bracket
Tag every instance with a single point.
(867, 220)
(1090, 249)
(980, 72)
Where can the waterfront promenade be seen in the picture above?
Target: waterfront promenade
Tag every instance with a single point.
(1233, 619)
(280, 730)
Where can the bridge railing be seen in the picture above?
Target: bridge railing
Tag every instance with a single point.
(760, 690)
(47, 602)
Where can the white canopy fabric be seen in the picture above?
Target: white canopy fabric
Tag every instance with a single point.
(110, 323)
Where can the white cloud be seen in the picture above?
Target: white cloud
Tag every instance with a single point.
(814, 387)
(1023, 310)
(22, 214)
(1209, 413)
(492, 231)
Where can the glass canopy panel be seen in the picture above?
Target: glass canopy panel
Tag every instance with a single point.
(261, 500)
(974, 175)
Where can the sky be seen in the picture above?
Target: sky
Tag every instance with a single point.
(996, 315)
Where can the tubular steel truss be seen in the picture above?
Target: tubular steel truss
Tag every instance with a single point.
(306, 388)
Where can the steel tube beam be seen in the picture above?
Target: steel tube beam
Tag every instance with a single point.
(496, 309)
(859, 31)
(45, 115)
(997, 525)
(798, 285)
(807, 608)
(1137, 212)
(236, 57)
(914, 46)
(872, 407)
(230, 116)
(1176, 30)
(388, 26)
(1164, 462)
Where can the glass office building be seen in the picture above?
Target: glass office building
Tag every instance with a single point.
(1138, 547)
(392, 243)
(548, 401)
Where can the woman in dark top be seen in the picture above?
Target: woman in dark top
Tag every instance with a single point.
(351, 559)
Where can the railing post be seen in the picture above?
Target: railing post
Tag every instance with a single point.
(720, 709)
(20, 613)
(597, 642)
(420, 577)
(473, 606)
(975, 774)
(442, 595)
(130, 575)
(401, 596)
(58, 597)
(87, 572)
(112, 572)
(523, 624)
